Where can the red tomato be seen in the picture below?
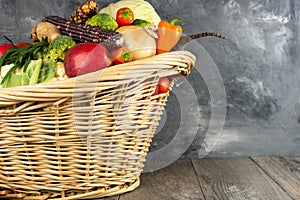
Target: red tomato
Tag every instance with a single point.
(23, 44)
(121, 55)
(163, 85)
(124, 16)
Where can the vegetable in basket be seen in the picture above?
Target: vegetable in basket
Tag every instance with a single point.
(4, 48)
(141, 23)
(20, 57)
(38, 71)
(48, 71)
(168, 35)
(34, 64)
(124, 16)
(104, 21)
(31, 75)
(85, 33)
(57, 49)
(84, 12)
(121, 55)
(141, 10)
(44, 30)
(23, 44)
(140, 43)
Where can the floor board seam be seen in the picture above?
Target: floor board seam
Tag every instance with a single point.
(271, 178)
(195, 173)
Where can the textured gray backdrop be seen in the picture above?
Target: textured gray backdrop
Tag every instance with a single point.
(259, 65)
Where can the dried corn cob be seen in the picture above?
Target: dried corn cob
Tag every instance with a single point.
(84, 12)
(85, 33)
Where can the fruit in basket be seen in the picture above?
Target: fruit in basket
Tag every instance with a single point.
(121, 55)
(86, 57)
(104, 21)
(4, 48)
(124, 16)
(163, 86)
(140, 43)
(168, 35)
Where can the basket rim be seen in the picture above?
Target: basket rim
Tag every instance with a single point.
(182, 58)
(168, 64)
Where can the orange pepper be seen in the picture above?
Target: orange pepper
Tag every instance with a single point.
(168, 35)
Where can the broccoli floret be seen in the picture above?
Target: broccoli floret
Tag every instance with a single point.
(57, 49)
(141, 23)
(41, 54)
(103, 20)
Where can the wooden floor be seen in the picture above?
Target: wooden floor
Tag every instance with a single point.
(259, 178)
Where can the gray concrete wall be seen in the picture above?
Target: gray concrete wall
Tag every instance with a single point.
(258, 66)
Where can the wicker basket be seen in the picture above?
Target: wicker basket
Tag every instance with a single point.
(85, 137)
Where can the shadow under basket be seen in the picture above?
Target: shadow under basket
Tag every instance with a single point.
(84, 137)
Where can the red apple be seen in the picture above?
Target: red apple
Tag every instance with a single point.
(163, 86)
(86, 57)
(155, 91)
(4, 48)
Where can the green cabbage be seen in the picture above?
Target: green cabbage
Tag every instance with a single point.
(141, 9)
(38, 71)
(47, 72)
(30, 77)
(13, 80)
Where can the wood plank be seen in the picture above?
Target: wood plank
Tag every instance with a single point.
(234, 179)
(177, 181)
(285, 171)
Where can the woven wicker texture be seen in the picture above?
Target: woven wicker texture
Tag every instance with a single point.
(85, 137)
